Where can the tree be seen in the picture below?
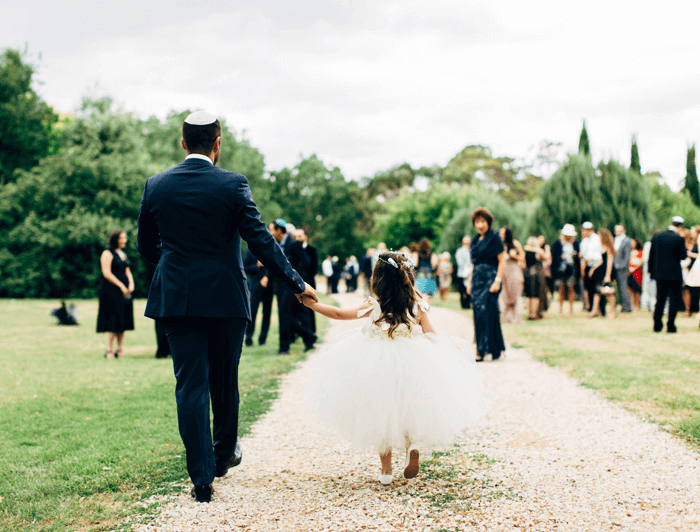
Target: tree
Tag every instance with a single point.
(476, 164)
(26, 121)
(634, 159)
(692, 186)
(605, 195)
(584, 148)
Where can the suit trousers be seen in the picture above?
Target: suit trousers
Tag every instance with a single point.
(206, 353)
(672, 291)
(621, 274)
(464, 297)
(260, 296)
(293, 320)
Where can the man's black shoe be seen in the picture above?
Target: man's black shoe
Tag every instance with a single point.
(202, 493)
(248, 342)
(671, 329)
(658, 326)
(282, 352)
(222, 469)
(309, 347)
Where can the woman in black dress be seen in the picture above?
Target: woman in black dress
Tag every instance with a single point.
(116, 311)
(601, 272)
(488, 258)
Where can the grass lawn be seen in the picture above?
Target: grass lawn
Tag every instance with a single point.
(655, 375)
(83, 438)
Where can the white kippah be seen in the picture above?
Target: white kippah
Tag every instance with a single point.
(678, 220)
(200, 118)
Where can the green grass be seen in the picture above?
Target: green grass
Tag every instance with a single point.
(83, 439)
(655, 375)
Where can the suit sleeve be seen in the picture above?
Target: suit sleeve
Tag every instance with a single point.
(652, 260)
(260, 241)
(148, 239)
(626, 252)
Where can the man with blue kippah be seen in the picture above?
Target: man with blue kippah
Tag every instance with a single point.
(191, 222)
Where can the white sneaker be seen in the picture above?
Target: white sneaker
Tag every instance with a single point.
(412, 466)
(386, 479)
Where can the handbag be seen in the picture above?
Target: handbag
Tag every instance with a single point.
(693, 277)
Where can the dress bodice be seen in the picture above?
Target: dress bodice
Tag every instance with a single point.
(380, 329)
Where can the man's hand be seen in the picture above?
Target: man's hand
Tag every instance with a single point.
(308, 292)
(263, 282)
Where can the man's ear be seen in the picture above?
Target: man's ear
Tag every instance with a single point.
(182, 141)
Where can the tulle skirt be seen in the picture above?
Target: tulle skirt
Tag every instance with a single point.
(380, 393)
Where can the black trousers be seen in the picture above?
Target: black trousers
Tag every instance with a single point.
(293, 320)
(260, 296)
(464, 297)
(672, 291)
(206, 353)
(163, 350)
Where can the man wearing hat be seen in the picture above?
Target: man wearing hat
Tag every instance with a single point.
(665, 256)
(191, 222)
(591, 253)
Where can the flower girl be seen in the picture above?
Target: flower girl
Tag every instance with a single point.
(394, 382)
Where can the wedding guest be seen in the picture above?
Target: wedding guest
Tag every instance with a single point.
(591, 253)
(484, 285)
(546, 276)
(648, 300)
(260, 289)
(337, 270)
(623, 251)
(444, 273)
(352, 271)
(464, 270)
(565, 250)
(601, 273)
(665, 256)
(366, 270)
(115, 314)
(309, 274)
(426, 264)
(693, 253)
(327, 270)
(533, 278)
(512, 277)
(636, 266)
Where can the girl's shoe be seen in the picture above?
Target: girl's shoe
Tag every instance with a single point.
(118, 353)
(410, 470)
(109, 353)
(386, 479)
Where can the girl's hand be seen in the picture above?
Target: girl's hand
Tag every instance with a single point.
(607, 279)
(125, 290)
(495, 287)
(308, 301)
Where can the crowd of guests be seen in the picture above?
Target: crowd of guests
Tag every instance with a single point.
(600, 269)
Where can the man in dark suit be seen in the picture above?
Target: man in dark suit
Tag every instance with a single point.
(621, 266)
(260, 288)
(665, 256)
(191, 222)
(309, 273)
(292, 318)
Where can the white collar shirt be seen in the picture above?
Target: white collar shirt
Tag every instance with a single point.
(591, 249)
(199, 156)
(619, 239)
(463, 258)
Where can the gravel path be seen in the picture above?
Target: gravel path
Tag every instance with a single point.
(550, 455)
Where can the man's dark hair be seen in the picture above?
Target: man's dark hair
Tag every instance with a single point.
(280, 227)
(200, 139)
(677, 224)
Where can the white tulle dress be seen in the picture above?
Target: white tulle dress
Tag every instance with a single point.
(378, 391)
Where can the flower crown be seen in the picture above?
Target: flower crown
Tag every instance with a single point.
(407, 261)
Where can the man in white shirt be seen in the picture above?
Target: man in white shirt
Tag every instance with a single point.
(463, 258)
(591, 253)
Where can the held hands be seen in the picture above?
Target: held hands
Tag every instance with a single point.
(309, 292)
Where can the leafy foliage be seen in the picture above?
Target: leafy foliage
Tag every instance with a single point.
(26, 121)
(584, 147)
(691, 185)
(634, 158)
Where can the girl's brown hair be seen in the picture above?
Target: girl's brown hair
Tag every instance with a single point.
(394, 290)
(607, 240)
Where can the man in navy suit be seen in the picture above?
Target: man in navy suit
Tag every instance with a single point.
(191, 222)
(665, 256)
(260, 288)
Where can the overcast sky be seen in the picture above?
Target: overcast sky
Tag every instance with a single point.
(369, 84)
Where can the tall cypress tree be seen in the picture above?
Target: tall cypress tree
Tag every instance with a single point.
(584, 148)
(634, 161)
(691, 177)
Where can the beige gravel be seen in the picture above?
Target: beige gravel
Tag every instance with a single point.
(559, 456)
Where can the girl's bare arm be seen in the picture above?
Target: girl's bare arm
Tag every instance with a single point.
(425, 324)
(336, 313)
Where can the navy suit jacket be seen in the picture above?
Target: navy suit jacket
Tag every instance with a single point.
(191, 222)
(665, 256)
